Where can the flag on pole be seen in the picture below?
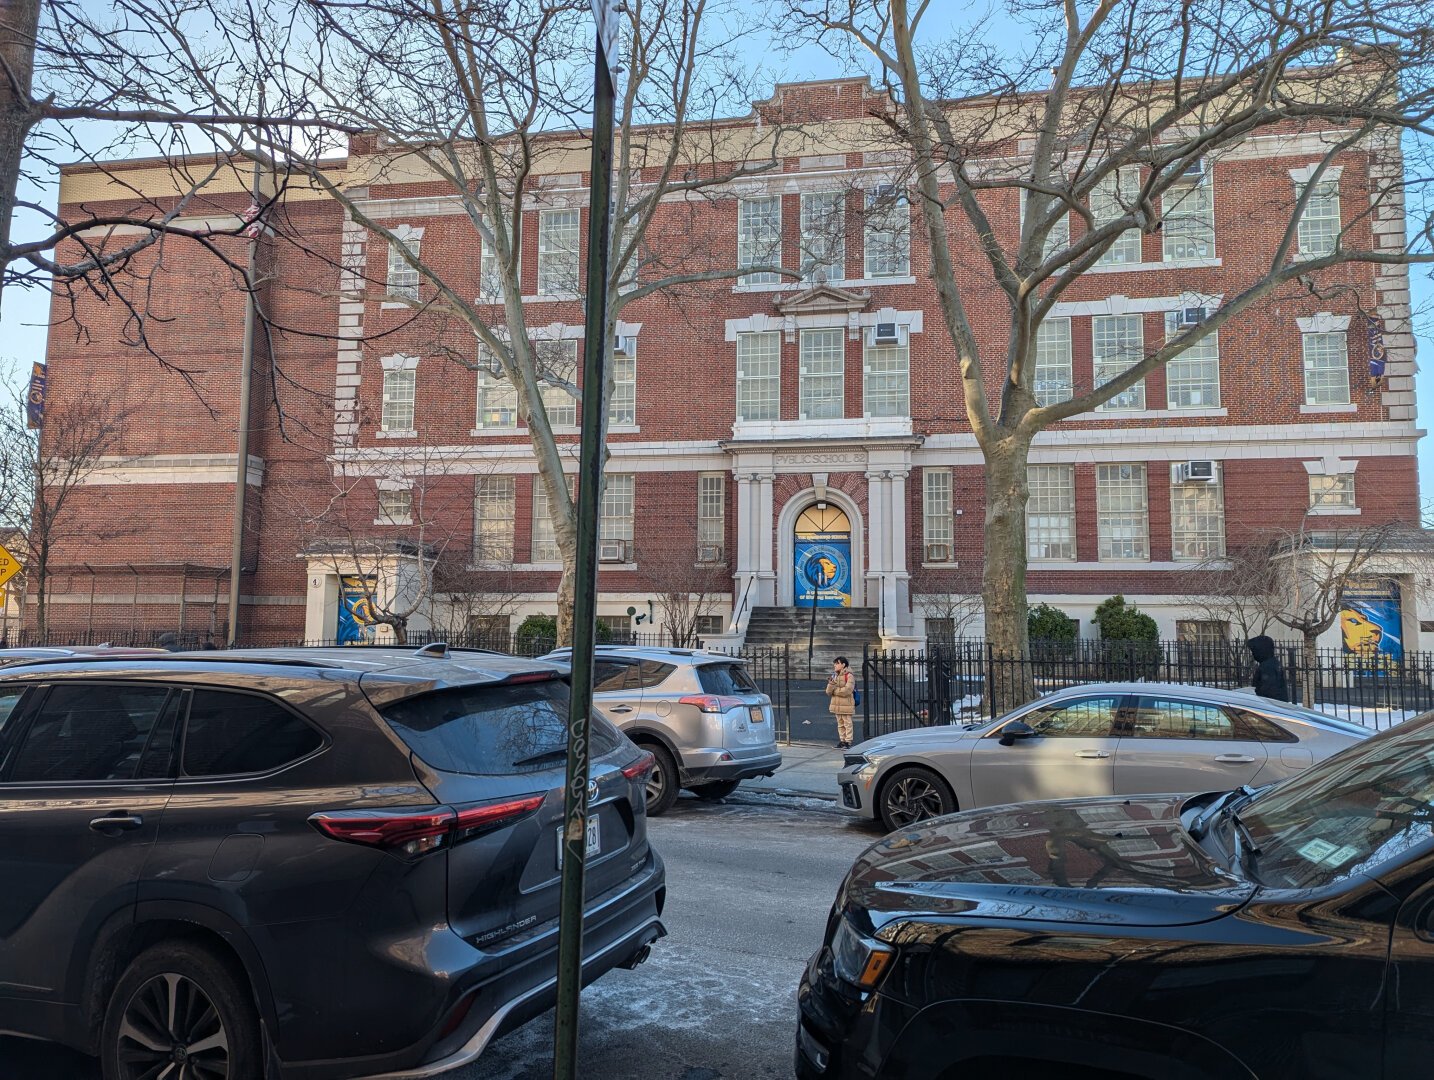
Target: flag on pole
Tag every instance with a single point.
(35, 397)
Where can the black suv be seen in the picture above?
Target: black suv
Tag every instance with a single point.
(300, 863)
(1285, 932)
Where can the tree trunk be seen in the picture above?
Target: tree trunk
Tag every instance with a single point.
(1003, 583)
(1310, 668)
(567, 589)
(42, 588)
(19, 23)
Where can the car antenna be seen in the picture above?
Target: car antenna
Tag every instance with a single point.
(438, 649)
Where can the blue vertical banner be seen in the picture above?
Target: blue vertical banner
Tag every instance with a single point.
(1371, 621)
(35, 398)
(356, 617)
(823, 564)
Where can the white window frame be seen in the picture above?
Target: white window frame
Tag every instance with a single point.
(494, 519)
(402, 279)
(1122, 499)
(618, 508)
(622, 406)
(1050, 513)
(1059, 237)
(1110, 200)
(543, 540)
(496, 395)
(1192, 378)
(759, 376)
(1325, 367)
(886, 380)
(886, 234)
(712, 510)
(1187, 219)
(1107, 365)
(395, 504)
(1053, 379)
(561, 406)
(938, 519)
(1197, 518)
(1332, 493)
(823, 256)
(759, 238)
(822, 367)
(1320, 223)
(397, 414)
(559, 266)
(490, 277)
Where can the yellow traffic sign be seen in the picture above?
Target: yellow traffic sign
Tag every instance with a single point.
(9, 566)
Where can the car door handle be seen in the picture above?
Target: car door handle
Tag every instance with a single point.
(1093, 753)
(623, 708)
(1234, 759)
(116, 823)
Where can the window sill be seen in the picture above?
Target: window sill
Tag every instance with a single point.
(842, 428)
(1321, 409)
(393, 521)
(1148, 414)
(480, 431)
(530, 567)
(1333, 511)
(1173, 264)
(397, 305)
(548, 298)
(940, 566)
(624, 429)
(384, 433)
(848, 283)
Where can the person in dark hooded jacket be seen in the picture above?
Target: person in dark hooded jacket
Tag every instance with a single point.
(1269, 679)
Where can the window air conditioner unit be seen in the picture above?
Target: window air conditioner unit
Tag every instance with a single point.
(709, 553)
(1195, 472)
(886, 333)
(883, 191)
(938, 552)
(1192, 316)
(622, 345)
(612, 551)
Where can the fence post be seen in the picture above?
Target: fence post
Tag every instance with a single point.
(865, 693)
(990, 694)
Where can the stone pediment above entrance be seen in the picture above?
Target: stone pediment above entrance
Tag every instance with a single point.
(820, 299)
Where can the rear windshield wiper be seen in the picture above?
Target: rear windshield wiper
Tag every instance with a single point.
(539, 759)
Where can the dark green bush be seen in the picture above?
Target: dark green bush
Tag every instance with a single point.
(1047, 623)
(1119, 621)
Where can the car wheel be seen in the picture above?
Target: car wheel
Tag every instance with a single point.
(914, 794)
(179, 1012)
(662, 781)
(717, 789)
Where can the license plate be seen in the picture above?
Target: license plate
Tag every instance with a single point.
(594, 844)
(756, 712)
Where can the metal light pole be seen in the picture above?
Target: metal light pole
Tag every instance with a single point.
(246, 380)
(595, 346)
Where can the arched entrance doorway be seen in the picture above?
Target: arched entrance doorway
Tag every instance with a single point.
(821, 550)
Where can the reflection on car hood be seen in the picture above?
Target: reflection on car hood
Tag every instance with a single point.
(914, 738)
(1113, 861)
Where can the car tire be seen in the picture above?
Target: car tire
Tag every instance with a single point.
(716, 789)
(913, 794)
(214, 1019)
(663, 781)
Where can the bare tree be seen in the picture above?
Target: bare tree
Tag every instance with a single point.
(686, 591)
(1104, 112)
(41, 472)
(1235, 589)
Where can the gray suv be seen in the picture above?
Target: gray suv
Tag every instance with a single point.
(701, 716)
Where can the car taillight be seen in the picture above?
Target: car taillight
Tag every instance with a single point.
(413, 832)
(639, 768)
(713, 703)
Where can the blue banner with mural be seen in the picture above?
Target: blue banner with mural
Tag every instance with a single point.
(824, 570)
(1371, 622)
(35, 398)
(356, 618)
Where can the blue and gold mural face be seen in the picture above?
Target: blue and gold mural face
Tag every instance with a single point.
(823, 558)
(1370, 620)
(356, 617)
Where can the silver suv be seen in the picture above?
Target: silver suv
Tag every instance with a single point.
(699, 713)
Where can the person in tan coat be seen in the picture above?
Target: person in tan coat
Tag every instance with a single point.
(841, 687)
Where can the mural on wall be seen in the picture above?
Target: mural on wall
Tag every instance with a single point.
(822, 551)
(356, 617)
(1371, 622)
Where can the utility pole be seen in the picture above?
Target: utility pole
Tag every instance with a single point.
(595, 347)
(246, 381)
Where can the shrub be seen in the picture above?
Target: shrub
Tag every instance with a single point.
(1119, 621)
(1047, 623)
(539, 633)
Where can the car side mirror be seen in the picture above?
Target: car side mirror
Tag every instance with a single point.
(1016, 729)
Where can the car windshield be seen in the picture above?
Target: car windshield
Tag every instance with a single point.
(1348, 814)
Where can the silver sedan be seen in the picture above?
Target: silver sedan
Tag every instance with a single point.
(1103, 739)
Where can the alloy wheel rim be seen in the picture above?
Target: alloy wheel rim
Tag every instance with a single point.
(171, 1030)
(656, 784)
(912, 799)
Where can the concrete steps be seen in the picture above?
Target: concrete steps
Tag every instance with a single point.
(838, 632)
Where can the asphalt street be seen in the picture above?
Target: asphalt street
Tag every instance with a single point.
(750, 882)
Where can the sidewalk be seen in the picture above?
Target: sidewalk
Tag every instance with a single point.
(807, 769)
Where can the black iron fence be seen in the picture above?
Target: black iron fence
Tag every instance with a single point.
(949, 681)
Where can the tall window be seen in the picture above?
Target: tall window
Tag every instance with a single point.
(497, 397)
(759, 238)
(490, 276)
(615, 519)
(1118, 343)
(398, 392)
(1319, 224)
(559, 359)
(1197, 519)
(823, 360)
(1187, 226)
(1109, 201)
(403, 278)
(1050, 513)
(558, 251)
(887, 380)
(1192, 379)
(936, 528)
(887, 242)
(1053, 380)
(1335, 491)
(622, 406)
(824, 236)
(395, 506)
(1326, 368)
(759, 376)
(1059, 237)
(545, 539)
(493, 517)
(711, 516)
(1122, 512)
